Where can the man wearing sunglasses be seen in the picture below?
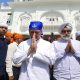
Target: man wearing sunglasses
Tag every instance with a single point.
(35, 54)
(67, 64)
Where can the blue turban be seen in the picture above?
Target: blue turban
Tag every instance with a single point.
(35, 25)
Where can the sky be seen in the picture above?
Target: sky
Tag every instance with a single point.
(4, 2)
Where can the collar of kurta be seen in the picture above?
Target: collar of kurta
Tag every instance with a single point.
(64, 41)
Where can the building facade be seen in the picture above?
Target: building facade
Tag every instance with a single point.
(51, 12)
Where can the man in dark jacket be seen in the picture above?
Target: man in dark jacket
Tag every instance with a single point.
(3, 51)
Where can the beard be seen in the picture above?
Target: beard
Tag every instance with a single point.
(66, 37)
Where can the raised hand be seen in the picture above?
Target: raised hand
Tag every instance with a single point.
(11, 77)
(72, 49)
(68, 47)
(33, 45)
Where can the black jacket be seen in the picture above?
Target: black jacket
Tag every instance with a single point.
(3, 52)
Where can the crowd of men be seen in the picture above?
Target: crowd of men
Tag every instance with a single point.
(39, 59)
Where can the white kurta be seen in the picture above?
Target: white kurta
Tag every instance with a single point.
(34, 67)
(11, 49)
(67, 65)
(9, 63)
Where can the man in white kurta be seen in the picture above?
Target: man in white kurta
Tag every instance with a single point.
(9, 63)
(67, 64)
(33, 68)
(11, 49)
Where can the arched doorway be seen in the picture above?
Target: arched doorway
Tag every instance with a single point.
(52, 20)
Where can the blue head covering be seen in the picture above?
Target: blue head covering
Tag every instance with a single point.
(35, 25)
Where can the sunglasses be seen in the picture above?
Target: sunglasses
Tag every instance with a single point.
(64, 31)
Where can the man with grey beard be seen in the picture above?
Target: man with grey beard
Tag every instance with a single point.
(67, 64)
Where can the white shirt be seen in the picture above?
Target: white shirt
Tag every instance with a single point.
(67, 65)
(34, 67)
(9, 63)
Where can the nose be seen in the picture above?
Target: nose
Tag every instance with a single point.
(3, 29)
(66, 32)
(34, 34)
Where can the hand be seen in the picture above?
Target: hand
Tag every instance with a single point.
(34, 43)
(72, 49)
(67, 49)
(33, 46)
(11, 77)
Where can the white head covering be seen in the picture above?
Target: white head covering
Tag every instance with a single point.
(3, 23)
(68, 25)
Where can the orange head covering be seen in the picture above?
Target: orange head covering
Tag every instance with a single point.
(8, 34)
(18, 36)
(14, 34)
(12, 40)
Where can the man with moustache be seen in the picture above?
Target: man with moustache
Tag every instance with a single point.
(31, 49)
(3, 50)
(67, 64)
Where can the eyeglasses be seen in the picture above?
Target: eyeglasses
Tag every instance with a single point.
(64, 31)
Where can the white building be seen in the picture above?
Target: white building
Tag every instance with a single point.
(51, 12)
